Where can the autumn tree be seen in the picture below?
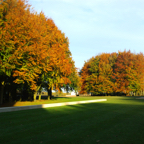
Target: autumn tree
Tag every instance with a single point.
(33, 50)
(84, 74)
(129, 72)
(75, 81)
(100, 74)
(137, 85)
(116, 73)
(60, 60)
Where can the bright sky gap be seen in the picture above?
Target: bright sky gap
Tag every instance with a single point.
(97, 26)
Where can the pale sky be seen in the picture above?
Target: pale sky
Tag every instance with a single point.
(97, 26)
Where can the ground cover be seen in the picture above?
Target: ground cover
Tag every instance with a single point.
(118, 120)
(54, 100)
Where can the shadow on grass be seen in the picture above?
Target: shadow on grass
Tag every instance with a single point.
(118, 120)
(133, 100)
(7, 104)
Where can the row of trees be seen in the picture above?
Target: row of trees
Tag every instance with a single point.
(113, 74)
(34, 53)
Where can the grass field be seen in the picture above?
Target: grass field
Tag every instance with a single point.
(119, 120)
(54, 100)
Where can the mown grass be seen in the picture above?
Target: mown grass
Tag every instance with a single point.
(54, 100)
(119, 120)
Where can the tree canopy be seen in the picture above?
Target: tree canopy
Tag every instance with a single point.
(112, 74)
(33, 51)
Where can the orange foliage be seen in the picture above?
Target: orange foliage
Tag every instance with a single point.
(34, 43)
(113, 73)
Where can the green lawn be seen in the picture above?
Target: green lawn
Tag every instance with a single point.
(119, 120)
(54, 100)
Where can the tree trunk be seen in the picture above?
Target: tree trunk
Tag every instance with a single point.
(49, 93)
(35, 94)
(10, 96)
(1, 92)
(14, 94)
(40, 96)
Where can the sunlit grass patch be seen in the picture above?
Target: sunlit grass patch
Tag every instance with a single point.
(54, 100)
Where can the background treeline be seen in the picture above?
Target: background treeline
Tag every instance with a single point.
(119, 73)
(34, 53)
